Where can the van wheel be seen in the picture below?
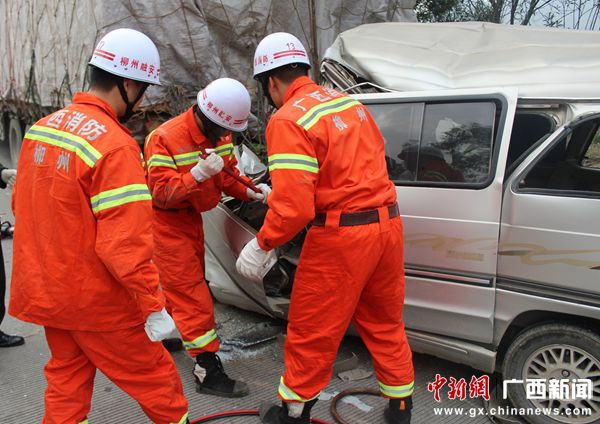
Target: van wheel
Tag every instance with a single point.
(15, 139)
(554, 352)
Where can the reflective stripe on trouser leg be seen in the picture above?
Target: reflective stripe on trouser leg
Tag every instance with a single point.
(396, 391)
(200, 342)
(288, 394)
(183, 419)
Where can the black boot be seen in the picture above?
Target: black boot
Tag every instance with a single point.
(275, 414)
(211, 378)
(6, 340)
(398, 411)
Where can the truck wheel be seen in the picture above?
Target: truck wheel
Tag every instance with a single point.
(554, 352)
(15, 139)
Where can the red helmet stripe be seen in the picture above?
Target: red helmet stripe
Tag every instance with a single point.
(288, 53)
(97, 53)
(105, 53)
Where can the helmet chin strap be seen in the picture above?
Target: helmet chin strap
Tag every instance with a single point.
(130, 105)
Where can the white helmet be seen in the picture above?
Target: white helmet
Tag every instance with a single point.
(226, 102)
(130, 54)
(276, 50)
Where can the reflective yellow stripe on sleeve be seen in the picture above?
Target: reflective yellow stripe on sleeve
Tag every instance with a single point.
(120, 196)
(293, 161)
(288, 394)
(311, 117)
(71, 142)
(397, 391)
(201, 341)
(187, 158)
(224, 150)
(161, 160)
(84, 421)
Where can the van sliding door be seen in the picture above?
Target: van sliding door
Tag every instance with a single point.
(446, 153)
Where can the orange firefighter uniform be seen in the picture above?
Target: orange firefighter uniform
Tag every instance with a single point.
(82, 262)
(326, 160)
(171, 151)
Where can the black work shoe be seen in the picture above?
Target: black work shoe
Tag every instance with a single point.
(271, 413)
(6, 340)
(211, 378)
(173, 345)
(398, 411)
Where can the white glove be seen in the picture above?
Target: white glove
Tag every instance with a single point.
(9, 176)
(253, 262)
(159, 325)
(265, 190)
(206, 168)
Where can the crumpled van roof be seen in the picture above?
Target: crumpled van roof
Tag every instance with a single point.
(542, 62)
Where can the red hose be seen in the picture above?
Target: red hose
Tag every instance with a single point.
(224, 414)
(238, 413)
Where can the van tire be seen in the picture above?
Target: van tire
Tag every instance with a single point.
(577, 349)
(15, 139)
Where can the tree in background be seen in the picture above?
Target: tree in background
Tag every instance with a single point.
(437, 10)
(578, 14)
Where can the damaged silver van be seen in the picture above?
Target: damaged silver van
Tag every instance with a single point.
(493, 141)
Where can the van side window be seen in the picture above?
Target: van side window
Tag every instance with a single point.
(435, 143)
(571, 165)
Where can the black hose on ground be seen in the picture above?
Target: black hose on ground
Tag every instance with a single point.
(349, 392)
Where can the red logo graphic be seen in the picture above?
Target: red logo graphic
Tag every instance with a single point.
(478, 387)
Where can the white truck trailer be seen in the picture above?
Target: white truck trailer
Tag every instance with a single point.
(45, 46)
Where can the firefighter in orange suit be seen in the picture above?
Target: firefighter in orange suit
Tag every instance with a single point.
(83, 244)
(327, 166)
(184, 181)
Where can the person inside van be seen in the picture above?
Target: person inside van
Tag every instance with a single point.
(429, 164)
